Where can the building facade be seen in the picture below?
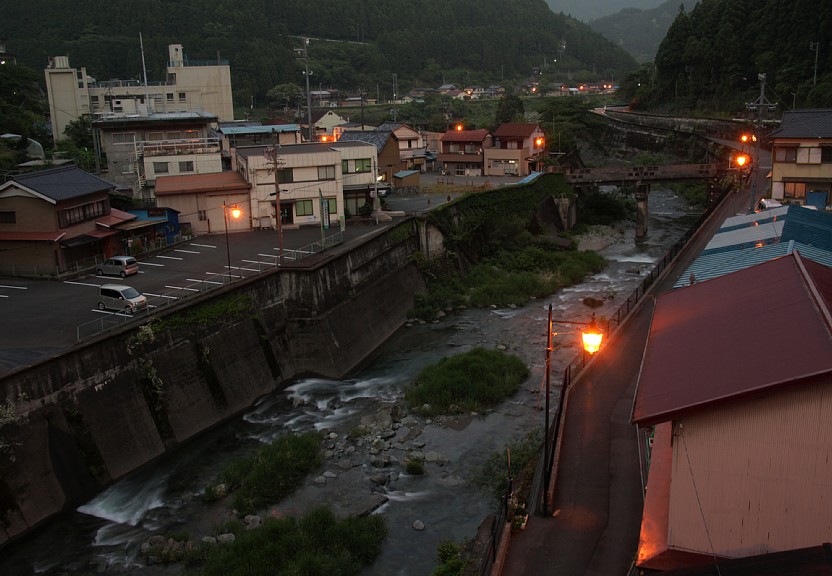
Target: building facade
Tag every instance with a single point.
(801, 158)
(189, 86)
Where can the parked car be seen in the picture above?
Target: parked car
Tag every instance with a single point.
(118, 266)
(767, 203)
(122, 298)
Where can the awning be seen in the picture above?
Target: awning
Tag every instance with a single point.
(80, 240)
(139, 224)
(102, 233)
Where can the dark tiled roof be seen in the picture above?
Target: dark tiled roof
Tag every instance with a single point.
(515, 130)
(378, 138)
(805, 124)
(63, 183)
(715, 341)
(464, 136)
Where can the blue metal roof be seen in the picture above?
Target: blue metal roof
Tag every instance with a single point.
(229, 130)
(750, 239)
(405, 173)
(530, 178)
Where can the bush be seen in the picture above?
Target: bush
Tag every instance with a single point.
(471, 381)
(492, 476)
(414, 467)
(318, 544)
(273, 472)
(449, 558)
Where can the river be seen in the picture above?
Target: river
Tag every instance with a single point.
(104, 535)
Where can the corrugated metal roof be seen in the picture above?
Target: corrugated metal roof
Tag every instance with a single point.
(717, 264)
(809, 123)
(277, 128)
(748, 331)
(405, 173)
(61, 183)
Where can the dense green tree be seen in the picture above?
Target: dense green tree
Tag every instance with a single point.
(509, 109)
(285, 96)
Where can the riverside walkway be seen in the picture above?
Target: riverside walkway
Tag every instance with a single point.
(596, 481)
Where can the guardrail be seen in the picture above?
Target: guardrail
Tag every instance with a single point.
(174, 294)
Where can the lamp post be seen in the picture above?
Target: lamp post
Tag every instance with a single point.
(235, 213)
(591, 339)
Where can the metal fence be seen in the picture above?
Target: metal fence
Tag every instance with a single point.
(175, 294)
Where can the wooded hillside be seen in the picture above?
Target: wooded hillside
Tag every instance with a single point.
(354, 44)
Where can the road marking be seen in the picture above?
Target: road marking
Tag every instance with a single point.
(161, 295)
(170, 257)
(108, 313)
(15, 287)
(151, 264)
(187, 251)
(3, 296)
(269, 255)
(206, 281)
(203, 245)
(81, 284)
(259, 262)
(182, 288)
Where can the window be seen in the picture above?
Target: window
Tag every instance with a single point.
(174, 135)
(8, 217)
(94, 99)
(182, 97)
(284, 176)
(76, 214)
(186, 166)
(470, 148)
(826, 155)
(363, 165)
(169, 96)
(192, 134)
(160, 167)
(345, 167)
(200, 214)
(155, 136)
(808, 155)
(326, 172)
(304, 208)
(784, 154)
(126, 167)
(453, 148)
(332, 205)
(123, 137)
(794, 190)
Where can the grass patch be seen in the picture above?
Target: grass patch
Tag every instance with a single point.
(414, 467)
(449, 559)
(471, 382)
(273, 472)
(318, 544)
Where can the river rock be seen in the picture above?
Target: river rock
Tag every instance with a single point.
(226, 538)
(319, 480)
(435, 458)
(379, 479)
(418, 525)
(253, 521)
(330, 474)
(209, 540)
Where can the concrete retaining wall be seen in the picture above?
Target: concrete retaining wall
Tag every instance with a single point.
(109, 406)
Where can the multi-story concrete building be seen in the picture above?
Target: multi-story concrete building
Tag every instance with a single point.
(189, 86)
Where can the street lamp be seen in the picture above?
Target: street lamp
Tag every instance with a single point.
(235, 213)
(591, 339)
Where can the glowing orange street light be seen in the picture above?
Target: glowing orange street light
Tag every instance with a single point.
(459, 127)
(741, 160)
(592, 337)
(538, 142)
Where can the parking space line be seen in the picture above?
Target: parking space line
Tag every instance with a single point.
(3, 296)
(206, 281)
(170, 257)
(203, 245)
(182, 288)
(259, 262)
(81, 283)
(151, 264)
(108, 313)
(161, 296)
(187, 251)
(14, 287)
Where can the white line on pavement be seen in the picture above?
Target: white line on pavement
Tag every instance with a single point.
(170, 257)
(15, 287)
(161, 296)
(205, 281)
(182, 288)
(3, 296)
(151, 264)
(81, 284)
(187, 251)
(203, 245)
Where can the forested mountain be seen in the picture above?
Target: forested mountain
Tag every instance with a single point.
(587, 10)
(370, 44)
(639, 32)
(713, 55)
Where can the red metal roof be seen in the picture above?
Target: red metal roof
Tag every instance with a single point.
(464, 136)
(758, 328)
(115, 217)
(515, 131)
(193, 183)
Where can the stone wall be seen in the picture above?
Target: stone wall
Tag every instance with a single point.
(109, 406)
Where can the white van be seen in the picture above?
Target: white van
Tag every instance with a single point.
(118, 266)
(122, 298)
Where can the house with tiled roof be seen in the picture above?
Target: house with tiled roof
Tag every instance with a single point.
(57, 221)
(388, 155)
(412, 145)
(462, 152)
(801, 158)
(518, 150)
(733, 409)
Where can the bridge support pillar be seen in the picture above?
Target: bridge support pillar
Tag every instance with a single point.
(642, 192)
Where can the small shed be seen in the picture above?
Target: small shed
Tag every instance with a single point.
(406, 179)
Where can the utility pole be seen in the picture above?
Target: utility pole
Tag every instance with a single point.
(816, 47)
(760, 105)
(272, 153)
(307, 73)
